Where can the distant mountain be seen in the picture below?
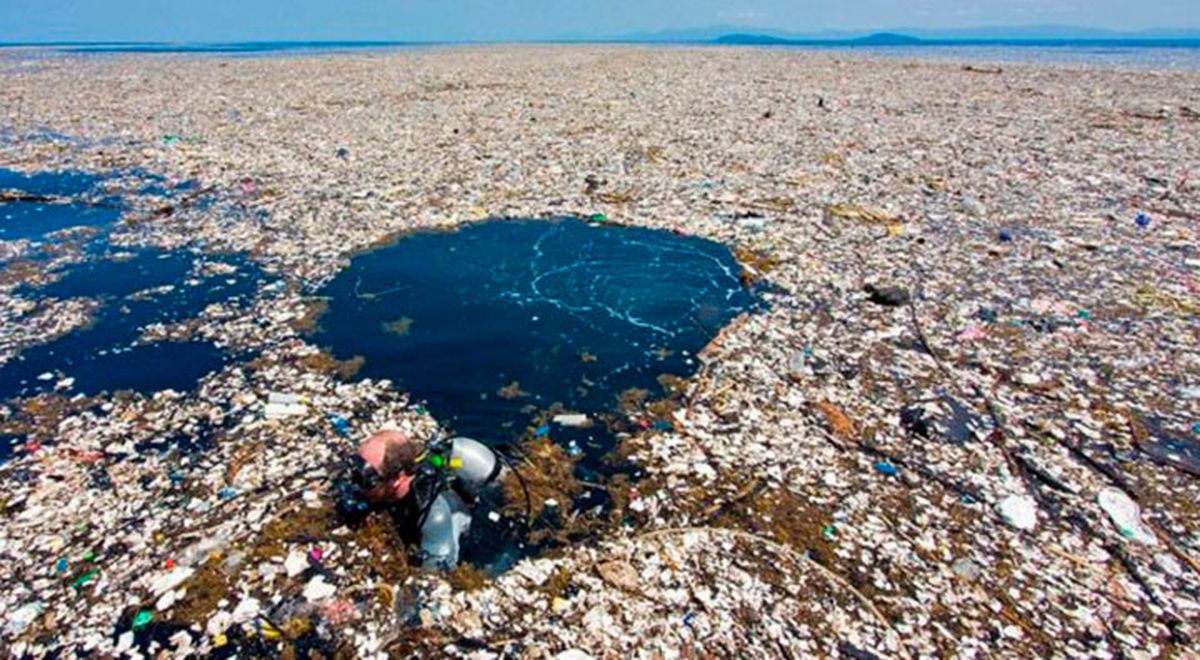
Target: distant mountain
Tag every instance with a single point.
(701, 34)
(899, 36)
(894, 39)
(753, 40)
(881, 39)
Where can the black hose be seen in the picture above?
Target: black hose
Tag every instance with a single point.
(524, 488)
(423, 514)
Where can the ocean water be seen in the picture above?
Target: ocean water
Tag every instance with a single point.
(131, 287)
(55, 201)
(135, 290)
(498, 320)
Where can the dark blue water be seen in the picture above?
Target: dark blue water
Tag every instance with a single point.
(69, 202)
(34, 220)
(151, 287)
(62, 184)
(500, 318)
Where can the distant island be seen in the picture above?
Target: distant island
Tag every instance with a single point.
(896, 39)
(880, 39)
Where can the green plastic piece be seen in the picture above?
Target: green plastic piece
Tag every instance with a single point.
(598, 217)
(84, 579)
(142, 618)
(90, 555)
(437, 461)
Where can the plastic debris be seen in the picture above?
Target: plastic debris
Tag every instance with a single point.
(620, 574)
(280, 406)
(886, 469)
(340, 424)
(1142, 220)
(966, 569)
(577, 420)
(1126, 516)
(142, 619)
(171, 579)
(20, 618)
(1168, 564)
(887, 296)
(295, 563)
(1019, 511)
(318, 589)
(972, 333)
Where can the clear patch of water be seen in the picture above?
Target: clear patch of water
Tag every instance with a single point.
(500, 318)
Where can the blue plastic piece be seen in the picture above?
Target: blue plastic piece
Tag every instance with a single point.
(340, 425)
(886, 468)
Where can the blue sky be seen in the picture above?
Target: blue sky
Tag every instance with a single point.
(234, 20)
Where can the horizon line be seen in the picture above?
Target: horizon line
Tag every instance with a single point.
(1179, 35)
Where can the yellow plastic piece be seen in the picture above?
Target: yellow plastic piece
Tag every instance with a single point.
(220, 640)
(456, 463)
(269, 631)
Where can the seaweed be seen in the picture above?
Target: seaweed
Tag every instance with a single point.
(512, 391)
(324, 362)
(400, 327)
(548, 472)
(310, 321)
(466, 577)
(756, 264)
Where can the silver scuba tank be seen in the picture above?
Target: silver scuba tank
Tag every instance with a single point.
(475, 466)
(473, 463)
(448, 519)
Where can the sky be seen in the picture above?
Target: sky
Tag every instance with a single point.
(454, 20)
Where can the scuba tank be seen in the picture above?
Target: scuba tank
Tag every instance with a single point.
(450, 475)
(447, 520)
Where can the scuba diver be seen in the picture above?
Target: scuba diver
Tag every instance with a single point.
(430, 488)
